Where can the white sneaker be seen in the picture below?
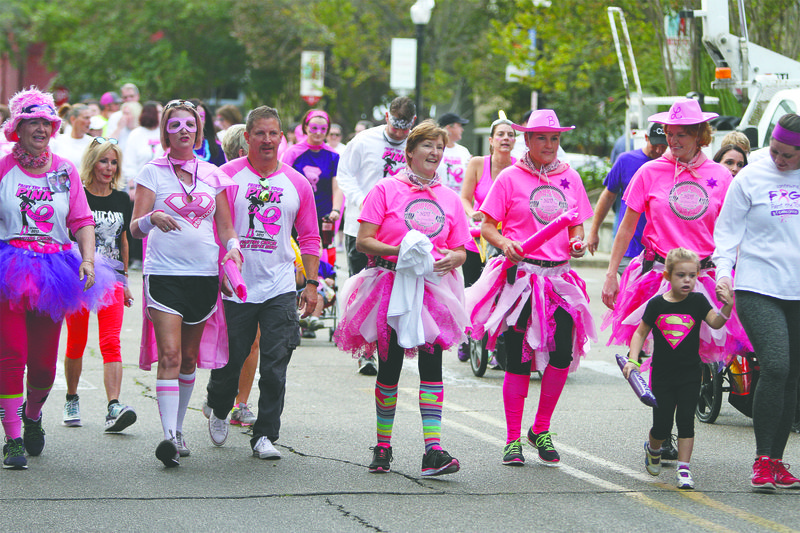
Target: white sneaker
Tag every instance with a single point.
(217, 430)
(684, 478)
(180, 443)
(265, 450)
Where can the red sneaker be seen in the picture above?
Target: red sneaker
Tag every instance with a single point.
(783, 478)
(763, 476)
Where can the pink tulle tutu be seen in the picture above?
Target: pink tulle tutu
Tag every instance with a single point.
(636, 289)
(48, 283)
(494, 306)
(365, 302)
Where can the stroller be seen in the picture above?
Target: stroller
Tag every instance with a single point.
(738, 378)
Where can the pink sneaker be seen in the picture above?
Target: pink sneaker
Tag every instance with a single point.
(783, 478)
(763, 477)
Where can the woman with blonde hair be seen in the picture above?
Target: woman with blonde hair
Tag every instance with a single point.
(111, 209)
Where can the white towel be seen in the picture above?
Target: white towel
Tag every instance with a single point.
(414, 266)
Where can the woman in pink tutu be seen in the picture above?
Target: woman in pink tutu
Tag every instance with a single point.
(410, 300)
(681, 194)
(43, 277)
(539, 304)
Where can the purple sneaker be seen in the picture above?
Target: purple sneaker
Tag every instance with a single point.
(463, 352)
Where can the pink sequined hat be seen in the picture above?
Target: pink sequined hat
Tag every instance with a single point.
(542, 120)
(30, 103)
(683, 113)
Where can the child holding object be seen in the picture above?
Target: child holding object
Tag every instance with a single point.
(674, 318)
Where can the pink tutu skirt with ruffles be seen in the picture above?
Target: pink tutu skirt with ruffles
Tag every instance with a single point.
(494, 305)
(363, 328)
(636, 289)
(47, 281)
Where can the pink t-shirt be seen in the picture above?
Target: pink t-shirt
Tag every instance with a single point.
(397, 208)
(681, 210)
(525, 203)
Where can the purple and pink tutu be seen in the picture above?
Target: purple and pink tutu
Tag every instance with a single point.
(494, 305)
(363, 328)
(636, 289)
(46, 280)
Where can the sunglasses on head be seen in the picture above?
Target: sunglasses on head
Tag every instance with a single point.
(38, 107)
(103, 140)
(179, 103)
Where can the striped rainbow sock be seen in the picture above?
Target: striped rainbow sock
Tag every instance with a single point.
(431, 397)
(385, 407)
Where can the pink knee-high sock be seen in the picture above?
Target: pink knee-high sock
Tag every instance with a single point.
(12, 423)
(552, 384)
(515, 390)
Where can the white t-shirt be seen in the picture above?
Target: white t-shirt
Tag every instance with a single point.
(761, 217)
(192, 251)
(143, 146)
(453, 166)
(69, 148)
(368, 158)
(264, 227)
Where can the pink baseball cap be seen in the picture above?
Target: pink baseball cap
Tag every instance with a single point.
(542, 120)
(683, 113)
(110, 98)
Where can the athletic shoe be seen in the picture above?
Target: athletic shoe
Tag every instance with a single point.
(180, 443)
(264, 449)
(669, 452)
(366, 366)
(512, 454)
(217, 430)
(303, 322)
(652, 460)
(119, 417)
(242, 415)
(307, 333)
(763, 478)
(314, 323)
(783, 478)
(463, 352)
(32, 434)
(72, 413)
(14, 454)
(438, 463)
(206, 409)
(167, 453)
(543, 442)
(684, 477)
(381, 457)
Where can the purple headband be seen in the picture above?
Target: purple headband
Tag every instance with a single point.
(780, 134)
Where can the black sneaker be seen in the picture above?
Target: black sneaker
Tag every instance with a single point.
(438, 463)
(167, 453)
(381, 457)
(543, 442)
(32, 434)
(512, 454)
(14, 454)
(669, 451)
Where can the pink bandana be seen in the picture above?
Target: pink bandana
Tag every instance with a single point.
(416, 183)
(690, 167)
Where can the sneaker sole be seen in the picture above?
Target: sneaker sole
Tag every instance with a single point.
(450, 468)
(766, 487)
(124, 420)
(791, 486)
(167, 453)
(368, 370)
(72, 423)
(379, 470)
(243, 424)
(515, 462)
(267, 456)
(17, 466)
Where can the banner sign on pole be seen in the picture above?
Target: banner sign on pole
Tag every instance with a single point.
(312, 76)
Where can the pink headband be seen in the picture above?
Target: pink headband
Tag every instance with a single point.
(317, 113)
(780, 134)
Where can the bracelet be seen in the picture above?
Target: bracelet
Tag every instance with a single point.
(125, 273)
(635, 363)
(313, 282)
(332, 210)
(87, 261)
(723, 315)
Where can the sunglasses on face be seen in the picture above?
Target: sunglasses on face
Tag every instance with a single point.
(174, 125)
(179, 103)
(103, 140)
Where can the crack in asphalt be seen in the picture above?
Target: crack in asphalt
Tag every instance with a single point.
(348, 514)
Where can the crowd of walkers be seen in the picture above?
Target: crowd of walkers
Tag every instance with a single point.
(236, 244)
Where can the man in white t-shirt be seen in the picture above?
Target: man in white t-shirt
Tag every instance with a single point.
(454, 161)
(269, 199)
(372, 155)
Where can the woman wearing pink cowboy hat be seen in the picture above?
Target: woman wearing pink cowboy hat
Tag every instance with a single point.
(540, 304)
(681, 193)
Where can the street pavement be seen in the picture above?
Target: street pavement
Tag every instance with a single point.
(87, 480)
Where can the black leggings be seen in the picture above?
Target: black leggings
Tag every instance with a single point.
(773, 326)
(429, 364)
(561, 357)
(472, 268)
(676, 401)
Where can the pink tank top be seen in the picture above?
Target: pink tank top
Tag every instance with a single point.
(485, 183)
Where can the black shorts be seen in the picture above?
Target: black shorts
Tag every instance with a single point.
(194, 298)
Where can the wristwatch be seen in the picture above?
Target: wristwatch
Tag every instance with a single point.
(313, 282)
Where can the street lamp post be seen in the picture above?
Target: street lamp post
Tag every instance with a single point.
(420, 16)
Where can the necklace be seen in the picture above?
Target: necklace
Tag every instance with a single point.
(194, 180)
(28, 160)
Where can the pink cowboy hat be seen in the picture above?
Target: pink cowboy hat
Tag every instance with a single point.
(542, 120)
(683, 113)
